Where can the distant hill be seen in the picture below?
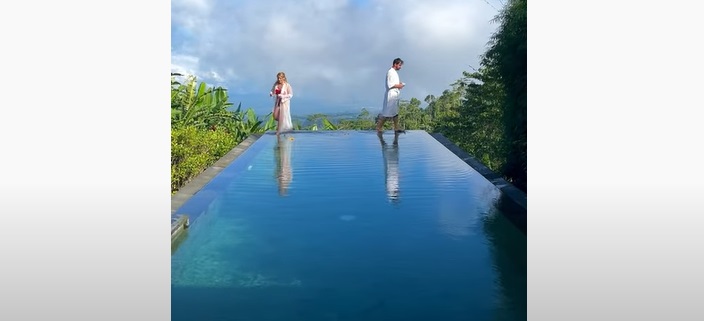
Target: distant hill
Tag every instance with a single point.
(332, 117)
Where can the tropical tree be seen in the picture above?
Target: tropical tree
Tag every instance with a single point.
(508, 54)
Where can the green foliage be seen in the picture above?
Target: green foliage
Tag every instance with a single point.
(328, 125)
(193, 150)
(245, 123)
(364, 121)
(481, 131)
(203, 128)
(411, 116)
(194, 104)
(316, 121)
(508, 54)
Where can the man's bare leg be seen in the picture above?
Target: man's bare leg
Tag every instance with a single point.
(380, 123)
(396, 123)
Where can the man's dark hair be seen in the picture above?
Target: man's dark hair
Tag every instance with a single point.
(398, 61)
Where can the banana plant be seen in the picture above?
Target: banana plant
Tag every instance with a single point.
(270, 123)
(328, 125)
(197, 105)
(244, 123)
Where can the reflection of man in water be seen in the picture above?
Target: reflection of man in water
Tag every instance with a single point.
(390, 154)
(282, 153)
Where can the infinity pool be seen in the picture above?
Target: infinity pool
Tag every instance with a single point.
(348, 225)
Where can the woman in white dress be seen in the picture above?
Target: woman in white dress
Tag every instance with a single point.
(282, 93)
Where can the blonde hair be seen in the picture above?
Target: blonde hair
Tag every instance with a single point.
(282, 75)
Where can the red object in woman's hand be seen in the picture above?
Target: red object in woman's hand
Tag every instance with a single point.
(278, 91)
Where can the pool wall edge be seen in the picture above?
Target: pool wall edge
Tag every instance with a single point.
(513, 201)
(196, 184)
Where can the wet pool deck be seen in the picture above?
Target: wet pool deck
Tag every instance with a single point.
(513, 201)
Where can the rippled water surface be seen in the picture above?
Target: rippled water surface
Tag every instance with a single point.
(346, 225)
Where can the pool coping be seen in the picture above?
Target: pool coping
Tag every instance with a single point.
(513, 201)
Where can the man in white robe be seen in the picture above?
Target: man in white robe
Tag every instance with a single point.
(392, 96)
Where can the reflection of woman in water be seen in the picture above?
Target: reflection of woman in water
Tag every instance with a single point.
(282, 153)
(390, 154)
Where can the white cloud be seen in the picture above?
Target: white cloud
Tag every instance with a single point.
(190, 14)
(184, 64)
(335, 53)
(449, 26)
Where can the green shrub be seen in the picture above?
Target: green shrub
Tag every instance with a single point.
(193, 150)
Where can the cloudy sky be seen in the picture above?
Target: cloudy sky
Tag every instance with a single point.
(335, 53)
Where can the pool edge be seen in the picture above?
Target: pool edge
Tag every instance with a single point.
(513, 201)
(191, 188)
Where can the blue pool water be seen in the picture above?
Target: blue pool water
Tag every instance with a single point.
(343, 225)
